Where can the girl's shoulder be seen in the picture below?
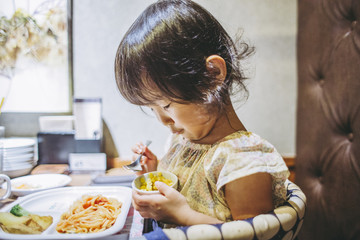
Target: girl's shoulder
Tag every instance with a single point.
(241, 154)
(245, 151)
(244, 141)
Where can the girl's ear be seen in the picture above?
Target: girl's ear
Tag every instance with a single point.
(216, 65)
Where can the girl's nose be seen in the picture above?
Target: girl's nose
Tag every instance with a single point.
(166, 120)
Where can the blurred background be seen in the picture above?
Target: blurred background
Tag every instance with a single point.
(97, 29)
(303, 84)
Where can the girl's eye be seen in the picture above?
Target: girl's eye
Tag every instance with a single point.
(166, 107)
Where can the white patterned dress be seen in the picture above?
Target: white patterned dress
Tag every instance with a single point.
(204, 169)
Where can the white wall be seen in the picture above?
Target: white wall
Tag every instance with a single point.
(269, 25)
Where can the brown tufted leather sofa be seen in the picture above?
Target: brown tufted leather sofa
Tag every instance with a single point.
(328, 118)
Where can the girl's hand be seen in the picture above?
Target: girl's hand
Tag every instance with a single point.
(148, 160)
(169, 206)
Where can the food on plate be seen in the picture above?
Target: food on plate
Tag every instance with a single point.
(25, 186)
(90, 214)
(19, 211)
(21, 221)
(31, 224)
(149, 184)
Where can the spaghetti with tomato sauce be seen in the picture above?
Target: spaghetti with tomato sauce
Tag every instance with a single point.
(90, 214)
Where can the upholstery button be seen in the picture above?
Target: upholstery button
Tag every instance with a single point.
(321, 82)
(321, 179)
(318, 174)
(353, 24)
(350, 137)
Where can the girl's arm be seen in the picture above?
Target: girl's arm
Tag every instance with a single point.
(246, 197)
(250, 196)
(170, 207)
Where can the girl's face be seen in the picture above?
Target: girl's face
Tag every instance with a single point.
(192, 121)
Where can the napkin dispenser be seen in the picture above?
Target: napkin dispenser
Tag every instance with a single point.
(55, 147)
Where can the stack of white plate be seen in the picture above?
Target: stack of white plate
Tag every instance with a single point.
(18, 156)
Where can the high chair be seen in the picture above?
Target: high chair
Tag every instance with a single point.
(283, 223)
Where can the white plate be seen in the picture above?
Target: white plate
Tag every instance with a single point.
(19, 157)
(54, 202)
(17, 172)
(10, 143)
(17, 161)
(24, 165)
(39, 182)
(17, 165)
(18, 151)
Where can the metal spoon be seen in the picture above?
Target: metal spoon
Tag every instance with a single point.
(135, 166)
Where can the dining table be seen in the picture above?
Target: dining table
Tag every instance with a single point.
(134, 224)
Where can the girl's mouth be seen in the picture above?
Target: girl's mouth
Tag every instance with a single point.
(177, 131)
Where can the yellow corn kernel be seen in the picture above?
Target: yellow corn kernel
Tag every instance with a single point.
(149, 183)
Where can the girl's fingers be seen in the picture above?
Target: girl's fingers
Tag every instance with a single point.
(146, 200)
(141, 208)
(138, 199)
(138, 148)
(149, 153)
(163, 188)
(144, 168)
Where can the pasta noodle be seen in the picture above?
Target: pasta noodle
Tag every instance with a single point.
(89, 214)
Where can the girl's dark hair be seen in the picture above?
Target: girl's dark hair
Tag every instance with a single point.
(163, 55)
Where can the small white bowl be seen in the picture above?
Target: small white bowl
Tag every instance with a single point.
(168, 175)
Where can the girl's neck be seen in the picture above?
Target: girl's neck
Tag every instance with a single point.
(227, 123)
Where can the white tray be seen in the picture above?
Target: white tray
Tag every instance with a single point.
(54, 202)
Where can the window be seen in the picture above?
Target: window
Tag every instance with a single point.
(40, 79)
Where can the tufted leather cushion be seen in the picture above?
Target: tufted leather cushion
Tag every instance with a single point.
(328, 118)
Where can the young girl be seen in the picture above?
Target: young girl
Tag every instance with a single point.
(178, 60)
